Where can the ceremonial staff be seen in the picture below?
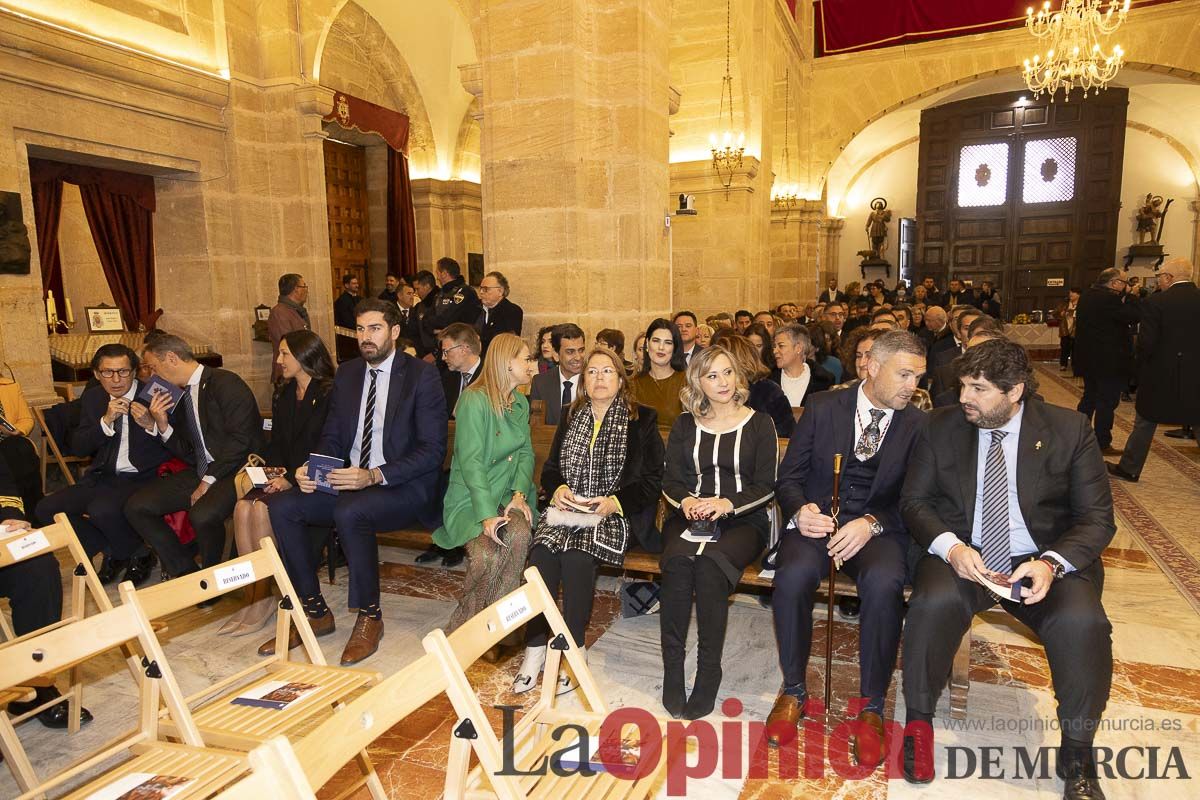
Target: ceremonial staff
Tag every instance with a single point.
(834, 565)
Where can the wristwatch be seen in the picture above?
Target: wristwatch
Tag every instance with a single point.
(1057, 570)
(876, 528)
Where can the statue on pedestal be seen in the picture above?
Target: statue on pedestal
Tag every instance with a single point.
(877, 234)
(1151, 215)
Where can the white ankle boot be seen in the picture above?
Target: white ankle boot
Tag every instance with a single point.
(531, 667)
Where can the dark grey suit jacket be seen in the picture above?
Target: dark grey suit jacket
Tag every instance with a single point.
(1062, 484)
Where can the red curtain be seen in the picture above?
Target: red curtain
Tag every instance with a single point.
(47, 209)
(124, 234)
(846, 26)
(401, 217)
(120, 212)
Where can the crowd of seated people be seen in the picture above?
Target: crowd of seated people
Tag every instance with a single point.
(696, 415)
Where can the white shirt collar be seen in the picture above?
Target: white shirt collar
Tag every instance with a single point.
(195, 379)
(384, 366)
(865, 405)
(1012, 427)
(473, 369)
(133, 385)
(573, 379)
(803, 373)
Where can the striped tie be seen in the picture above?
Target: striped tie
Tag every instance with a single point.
(364, 455)
(994, 535)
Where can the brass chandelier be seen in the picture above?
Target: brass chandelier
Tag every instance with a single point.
(1075, 58)
(784, 195)
(728, 147)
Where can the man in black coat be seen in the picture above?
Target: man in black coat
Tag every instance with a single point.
(874, 426)
(1103, 354)
(215, 428)
(1007, 485)
(125, 458)
(832, 294)
(499, 314)
(1169, 362)
(415, 331)
(456, 301)
(343, 306)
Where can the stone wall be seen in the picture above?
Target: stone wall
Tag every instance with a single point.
(449, 222)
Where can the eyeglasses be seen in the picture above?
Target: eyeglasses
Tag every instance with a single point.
(489, 288)
(607, 372)
(112, 373)
(451, 349)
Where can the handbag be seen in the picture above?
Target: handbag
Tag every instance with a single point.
(639, 598)
(241, 481)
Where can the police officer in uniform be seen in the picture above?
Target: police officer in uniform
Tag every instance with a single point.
(456, 301)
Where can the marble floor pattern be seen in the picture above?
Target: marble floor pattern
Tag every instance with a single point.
(1152, 596)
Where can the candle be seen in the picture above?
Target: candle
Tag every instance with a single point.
(51, 309)
(70, 314)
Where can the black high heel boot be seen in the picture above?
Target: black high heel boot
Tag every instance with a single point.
(712, 617)
(675, 613)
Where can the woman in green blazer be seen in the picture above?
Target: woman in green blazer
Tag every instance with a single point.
(491, 476)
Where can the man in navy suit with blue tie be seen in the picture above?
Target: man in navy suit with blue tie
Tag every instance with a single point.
(387, 423)
(874, 426)
(125, 458)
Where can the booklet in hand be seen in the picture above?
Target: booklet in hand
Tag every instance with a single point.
(261, 476)
(999, 586)
(319, 467)
(157, 385)
(582, 508)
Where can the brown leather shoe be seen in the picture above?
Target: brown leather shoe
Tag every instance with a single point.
(784, 719)
(363, 641)
(875, 723)
(321, 626)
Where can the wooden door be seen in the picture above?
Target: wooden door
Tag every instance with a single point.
(346, 202)
(1025, 194)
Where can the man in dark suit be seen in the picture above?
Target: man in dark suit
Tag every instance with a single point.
(1007, 485)
(391, 288)
(424, 341)
(343, 306)
(832, 294)
(959, 295)
(875, 427)
(947, 349)
(33, 588)
(932, 296)
(558, 387)
(1169, 362)
(1103, 354)
(125, 458)
(215, 428)
(387, 424)
(499, 314)
(943, 382)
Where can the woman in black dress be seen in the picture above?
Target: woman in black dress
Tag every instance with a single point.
(298, 411)
(722, 458)
(607, 453)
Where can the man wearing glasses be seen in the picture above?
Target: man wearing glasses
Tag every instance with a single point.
(499, 314)
(288, 314)
(1103, 354)
(125, 458)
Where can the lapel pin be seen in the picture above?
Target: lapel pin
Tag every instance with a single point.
(1038, 445)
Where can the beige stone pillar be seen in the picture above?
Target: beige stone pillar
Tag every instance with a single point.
(574, 149)
(794, 248)
(830, 239)
(449, 220)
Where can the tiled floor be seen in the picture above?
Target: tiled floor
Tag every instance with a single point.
(1152, 595)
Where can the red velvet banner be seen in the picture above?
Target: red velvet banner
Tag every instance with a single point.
(847, 26)
(367, 117)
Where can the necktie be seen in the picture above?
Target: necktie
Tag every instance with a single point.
(566, 398)
(868, 442)
(463, 381)
(192, 422)
(994, 533)
(114, 450)
(364, 455)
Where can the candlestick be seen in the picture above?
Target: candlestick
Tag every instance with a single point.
(70, 314)
(51, 309)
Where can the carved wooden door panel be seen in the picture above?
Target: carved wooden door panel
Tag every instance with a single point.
(346, 203)
(1023, 193)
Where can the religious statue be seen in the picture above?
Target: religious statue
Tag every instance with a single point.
(14, 237)
(877, 226)
(1148, 215)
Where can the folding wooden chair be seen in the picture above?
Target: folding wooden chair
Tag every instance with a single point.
(292, 771)
(274, 773)
(65, 646)
(296, 692)
(53, 422)
(60, 539)
(541, 731)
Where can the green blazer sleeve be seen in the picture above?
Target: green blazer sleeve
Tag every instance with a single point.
(472, 436)
(522, 479)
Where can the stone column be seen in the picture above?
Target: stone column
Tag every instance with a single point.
(831, 237)
(574, 149)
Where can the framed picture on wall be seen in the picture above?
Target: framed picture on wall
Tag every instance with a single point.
(104, 319)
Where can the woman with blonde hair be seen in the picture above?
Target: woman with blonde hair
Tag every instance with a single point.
(719, 479)
(491, 478)
(604, 468)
